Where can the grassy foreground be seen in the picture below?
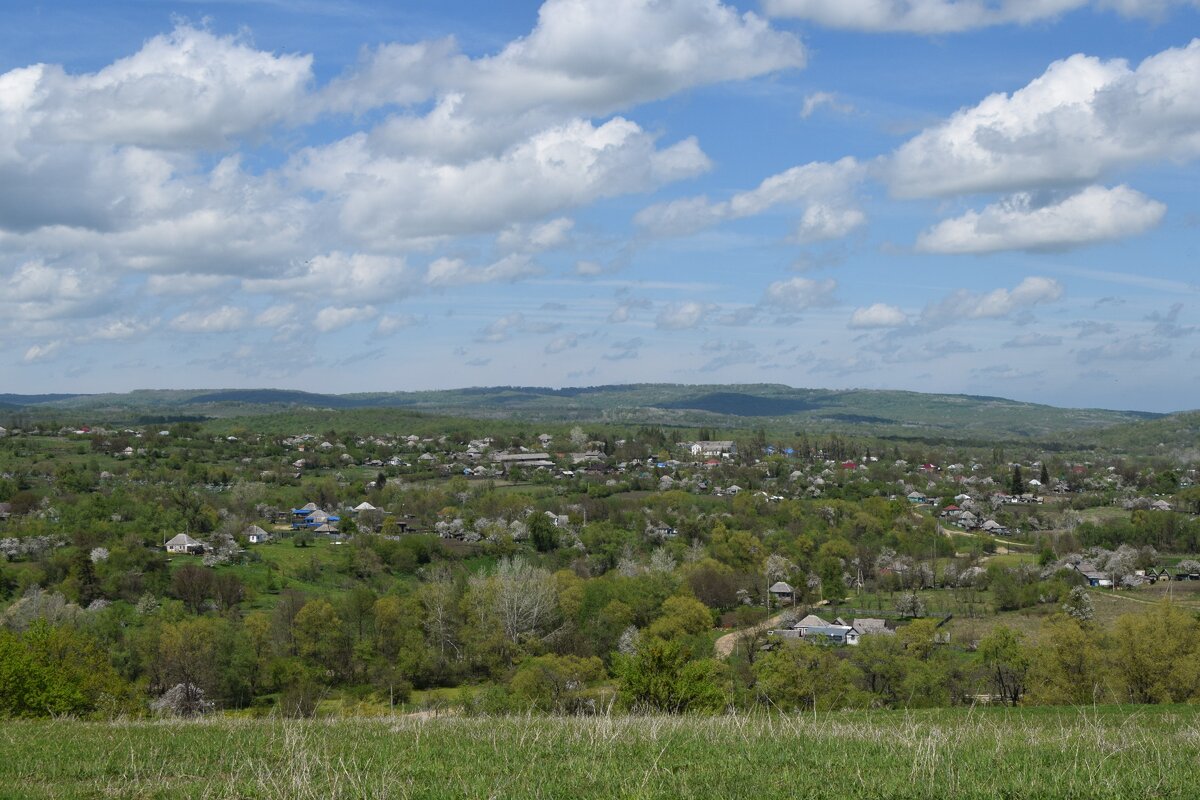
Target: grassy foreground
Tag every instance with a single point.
(994, 753)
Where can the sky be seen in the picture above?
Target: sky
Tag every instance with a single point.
(994, 198)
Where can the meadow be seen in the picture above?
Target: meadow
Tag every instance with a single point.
(1103, 752)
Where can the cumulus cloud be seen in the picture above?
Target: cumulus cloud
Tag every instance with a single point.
(341, 276)
(1093, 215)
(502, 329)
(824, 189)
(681, 316)
(967, 305)
(218, 320)
(456, 272)
(536, 238)
(42, 352)
(948, 16)
(799, 294)
(584, 58)
(1131, 349)
(391, 323)
(818, 100)
(879, 315)
(189, 88)
(561, 343)
(1032, 340)
(334, 318)
(1082, 118)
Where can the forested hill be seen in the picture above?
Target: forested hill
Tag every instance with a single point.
(719, 406)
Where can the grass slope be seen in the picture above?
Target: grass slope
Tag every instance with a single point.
(964, 754)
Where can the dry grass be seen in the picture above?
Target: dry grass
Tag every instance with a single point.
(961, 753)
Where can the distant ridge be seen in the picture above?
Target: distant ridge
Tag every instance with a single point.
(774, 406)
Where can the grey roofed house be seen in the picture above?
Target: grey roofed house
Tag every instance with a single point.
(182, 543)
(326, 528)
(870, 625)
(5, 510)
(781, 589)
(256, 535)
(811, 621)
(365, 506)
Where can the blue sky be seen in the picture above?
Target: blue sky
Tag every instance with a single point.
(992, 198)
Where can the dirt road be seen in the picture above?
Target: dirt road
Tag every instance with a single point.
(725, 645)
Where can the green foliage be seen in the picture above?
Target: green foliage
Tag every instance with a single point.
(57, 670)
(661, 677)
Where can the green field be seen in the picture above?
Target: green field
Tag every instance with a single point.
(982, 753)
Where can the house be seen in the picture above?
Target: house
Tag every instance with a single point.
(364, 506)
(707, 449)
(782, 592)
(917, 497)
(256, 535)
(1094, 576)
(182, 543)
(869, 625)
(5, 510)
(510, 461)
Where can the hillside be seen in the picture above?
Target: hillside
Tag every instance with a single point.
(771, 406)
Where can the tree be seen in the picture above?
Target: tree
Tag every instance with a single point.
(542, 533)
(557, 683)
(803, 677)
(193, 585)
(1017, 485)
(1045, 476)
(1078, 605)
(1067, 666)
(681, 616)
(1007, 660)
(910, 604)
(661, 678)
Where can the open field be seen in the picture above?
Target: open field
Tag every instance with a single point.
(982, 753)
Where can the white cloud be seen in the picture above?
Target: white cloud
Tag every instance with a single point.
(536, 238)
(121, 329)
(821, 222)
(219, 320)
(385, 199)
(948, 16)
(818, 99)
(334, 318)
(584, 58)
(184, 285)
(185, 89)
(824, 189)
(967, 305)
(798, 294)
(42, 352)
(342, 276)
(1082, 118)
(502, 329)
(1131, 349)
(456, 272)
(1032, 340)
(277, 316)
(561, 343)
(1095, 214)
(680, 316)
(391, 323)
(879, 315)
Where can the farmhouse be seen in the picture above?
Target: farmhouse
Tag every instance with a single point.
(256, 535)
(182, 543)
(707, 449)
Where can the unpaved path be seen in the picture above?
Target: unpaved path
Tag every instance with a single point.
(724, 646)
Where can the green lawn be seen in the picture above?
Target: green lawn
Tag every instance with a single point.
(1116, 752)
